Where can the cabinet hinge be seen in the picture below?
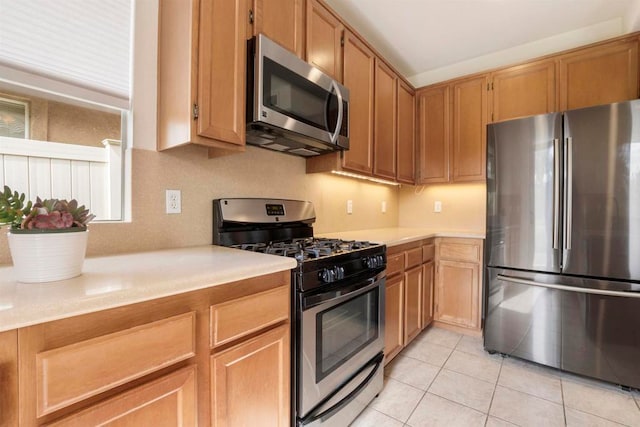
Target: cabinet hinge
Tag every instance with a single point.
(491, 85)
(491, 116)
(488, 87)
(251, 16)
(342, 41)
(196, 111)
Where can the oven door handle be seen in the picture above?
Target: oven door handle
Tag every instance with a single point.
(377, 361)
(336, 296)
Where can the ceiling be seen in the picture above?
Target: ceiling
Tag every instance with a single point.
(433, 40)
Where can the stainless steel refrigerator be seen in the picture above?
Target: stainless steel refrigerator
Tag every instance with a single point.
(562, 276)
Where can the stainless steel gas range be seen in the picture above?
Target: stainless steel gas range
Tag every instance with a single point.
(337, 305)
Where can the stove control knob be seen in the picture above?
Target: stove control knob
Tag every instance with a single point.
(327, 275)
(339, 272)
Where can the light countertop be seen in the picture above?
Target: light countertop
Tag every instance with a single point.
(399, 236)
(114, 281)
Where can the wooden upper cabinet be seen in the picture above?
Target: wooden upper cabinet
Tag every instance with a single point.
(222, 70)
(385, 124)
(524, 90)
(324, 39)
(201, 73)
(434, 109)
(406, 133)
(469, 135)
(282, 21)
(359, 63)
(599, 75)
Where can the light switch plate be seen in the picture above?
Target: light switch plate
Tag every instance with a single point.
(437, 206)
(349, 207)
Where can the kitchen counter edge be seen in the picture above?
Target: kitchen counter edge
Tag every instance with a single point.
(399, 236)
(119, 280)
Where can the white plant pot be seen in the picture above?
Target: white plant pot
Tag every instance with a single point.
(47, 256)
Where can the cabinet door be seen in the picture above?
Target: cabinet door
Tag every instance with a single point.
(412, 303)
(457, 293)
(222, 71)
(427, 294)
(393, 317)
(385, 125)
(406, 133)
(469, 129)
(8, 378)
(434, 139)
(324, 36)
(282, 21)
(167, 401)
(359, 62)
(524, 90)
(599, 75)
(250, 382)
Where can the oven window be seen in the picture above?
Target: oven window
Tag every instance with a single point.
(343, 330)
(292, 95)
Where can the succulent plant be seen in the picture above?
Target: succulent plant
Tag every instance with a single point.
(44, 214)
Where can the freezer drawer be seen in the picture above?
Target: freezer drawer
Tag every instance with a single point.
(584, 326)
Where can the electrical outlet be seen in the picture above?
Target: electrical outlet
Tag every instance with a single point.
(173, 202)
(437, 206)
(383, 208)
(349, 207)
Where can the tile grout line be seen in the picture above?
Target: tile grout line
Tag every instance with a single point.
(434, 378)
(564, 407)
(495, 387)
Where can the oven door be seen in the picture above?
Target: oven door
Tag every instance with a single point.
(342, 330)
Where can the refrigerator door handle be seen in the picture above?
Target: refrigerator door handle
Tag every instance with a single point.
(605, 292)
(556, 193)
(568, 191)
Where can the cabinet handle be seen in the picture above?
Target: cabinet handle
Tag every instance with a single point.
(251, 16)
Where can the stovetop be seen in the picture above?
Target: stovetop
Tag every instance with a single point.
(308, 248)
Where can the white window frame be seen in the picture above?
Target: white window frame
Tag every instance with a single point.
(27, 117)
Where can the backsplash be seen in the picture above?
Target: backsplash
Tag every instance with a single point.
(463, 207)
(254, 173)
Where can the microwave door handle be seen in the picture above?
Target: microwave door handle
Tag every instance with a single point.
(334, 86)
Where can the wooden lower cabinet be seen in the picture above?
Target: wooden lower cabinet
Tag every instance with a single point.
(427, 293)
(8, 378)
(250, 382)
(168, 401)
(219, 355)
(413, 289)
(394, 317)
(458, 282)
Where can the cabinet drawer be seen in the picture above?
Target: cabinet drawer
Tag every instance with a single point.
(243, 316)
(414, 257)
(75, 372)
(159, 402)
(460, 251)
(395, 264)
(428, 252)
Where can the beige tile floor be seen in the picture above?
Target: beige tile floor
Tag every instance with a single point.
(446, 379)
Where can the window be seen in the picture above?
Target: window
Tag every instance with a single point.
(64, 100)
(14, 118)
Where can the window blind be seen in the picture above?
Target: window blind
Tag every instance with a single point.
(76, 48)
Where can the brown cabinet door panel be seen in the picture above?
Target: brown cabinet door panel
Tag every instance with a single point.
(524, 90)
(406, 133)
(324, 34)
(427, 294)
(359, 63)
(599, 75)
(412, 304)
(250, 382)
(469, 129)
(385, 125)
(434, 128)
(458, 293)
(222, 71)
(394, 321)
(282, 21)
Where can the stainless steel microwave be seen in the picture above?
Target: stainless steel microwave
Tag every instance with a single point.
(293, 107)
